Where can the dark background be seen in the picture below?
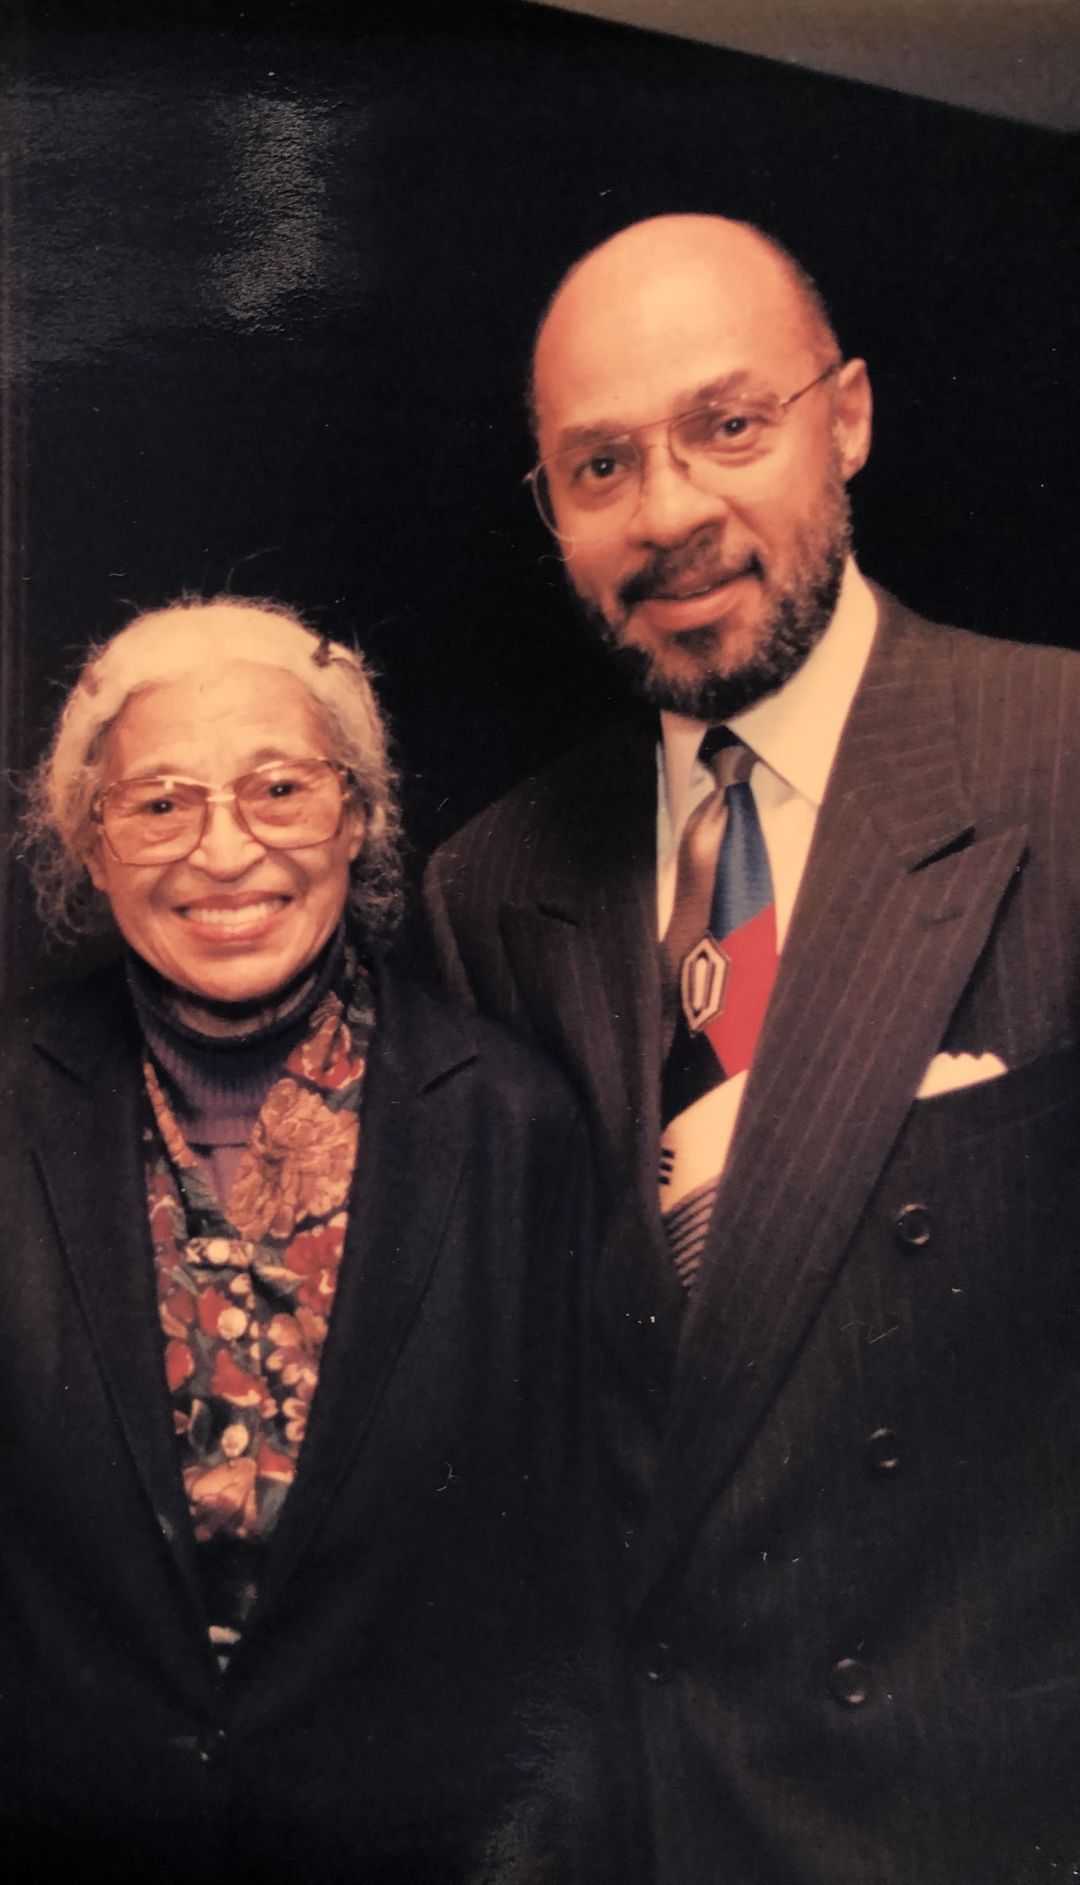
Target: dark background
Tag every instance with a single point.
(268, 294)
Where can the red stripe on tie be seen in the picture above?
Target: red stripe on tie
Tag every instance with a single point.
(751, 950)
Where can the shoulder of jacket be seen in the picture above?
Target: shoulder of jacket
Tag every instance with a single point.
(556, 792)
(1027, 660)
(78, 1013)
(428, 1021)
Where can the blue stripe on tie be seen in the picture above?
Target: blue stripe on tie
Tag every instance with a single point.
(743, 884)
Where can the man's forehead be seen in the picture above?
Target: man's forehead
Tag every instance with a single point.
(619, 342)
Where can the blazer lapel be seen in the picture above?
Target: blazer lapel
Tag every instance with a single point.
(411, 1149)
(897, 901)
(85, 1127)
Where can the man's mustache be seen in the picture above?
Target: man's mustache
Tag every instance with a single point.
(701, 566)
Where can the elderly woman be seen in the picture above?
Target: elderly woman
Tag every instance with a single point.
(291, 1527)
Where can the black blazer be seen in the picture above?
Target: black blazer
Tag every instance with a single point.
(418, 1683)
(849, 1468)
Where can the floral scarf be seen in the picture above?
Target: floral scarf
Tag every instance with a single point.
(245, 1289)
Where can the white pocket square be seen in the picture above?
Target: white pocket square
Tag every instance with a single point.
(947, 1072)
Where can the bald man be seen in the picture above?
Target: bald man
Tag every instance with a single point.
(806, 933)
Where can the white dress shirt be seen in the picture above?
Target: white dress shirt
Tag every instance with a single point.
(795, 734)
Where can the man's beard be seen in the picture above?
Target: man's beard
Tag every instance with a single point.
(799, 617)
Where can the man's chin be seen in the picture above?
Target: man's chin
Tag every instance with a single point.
(684, 676)
(702, 672)
(699, 695)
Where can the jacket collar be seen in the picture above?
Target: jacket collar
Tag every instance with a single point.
(84, 1120)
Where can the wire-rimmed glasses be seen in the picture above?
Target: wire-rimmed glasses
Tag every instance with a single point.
(286, 805)
(590, 489)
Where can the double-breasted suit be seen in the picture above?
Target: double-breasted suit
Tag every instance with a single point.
(848, 1465)
(417, 1687)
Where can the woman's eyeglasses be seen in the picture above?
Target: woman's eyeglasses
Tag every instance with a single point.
(285, 805)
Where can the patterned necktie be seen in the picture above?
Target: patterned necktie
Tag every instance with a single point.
(719, 965)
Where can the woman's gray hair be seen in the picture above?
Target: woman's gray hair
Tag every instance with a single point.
(199, 634)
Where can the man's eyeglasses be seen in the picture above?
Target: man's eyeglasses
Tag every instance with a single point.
(286, 805)
(590, 490)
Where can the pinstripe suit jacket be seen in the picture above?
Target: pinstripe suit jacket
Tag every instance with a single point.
(848, 1468)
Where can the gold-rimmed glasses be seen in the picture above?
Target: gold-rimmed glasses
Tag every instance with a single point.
(286, 805)
(590, 489)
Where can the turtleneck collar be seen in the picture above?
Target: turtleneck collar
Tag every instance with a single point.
(217, 1079)
(217, 1026)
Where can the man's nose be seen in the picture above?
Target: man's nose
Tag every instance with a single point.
(672, 506)
(226, 848)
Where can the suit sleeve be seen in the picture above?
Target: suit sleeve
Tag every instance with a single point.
(578, 1826)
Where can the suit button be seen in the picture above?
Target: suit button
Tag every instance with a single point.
(850, 1682)
(659, 1664)
(212, 1747)
(913, 1227)
(882, 1452)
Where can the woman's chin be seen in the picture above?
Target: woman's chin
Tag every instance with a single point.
(217, 964)
(239, 976)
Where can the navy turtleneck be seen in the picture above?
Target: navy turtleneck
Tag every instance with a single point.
(219, 1060)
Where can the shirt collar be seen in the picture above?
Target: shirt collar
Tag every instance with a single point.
(796, 731)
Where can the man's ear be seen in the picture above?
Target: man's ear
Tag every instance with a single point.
(854, 416)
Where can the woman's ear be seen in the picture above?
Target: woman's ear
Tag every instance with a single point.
(357, 829)
(94, 859)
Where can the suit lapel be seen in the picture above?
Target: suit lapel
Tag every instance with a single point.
(897, 901)
(410, 1157)
(583, 947)
(585, 956)
(85, 1125)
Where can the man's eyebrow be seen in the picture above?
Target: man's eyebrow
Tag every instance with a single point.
(725, 386)
(594, 434)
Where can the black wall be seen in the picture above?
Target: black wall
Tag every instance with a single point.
(270, 291)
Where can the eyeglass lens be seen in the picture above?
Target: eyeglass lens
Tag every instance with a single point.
(588, 490)
(160, 820)
(590, 484)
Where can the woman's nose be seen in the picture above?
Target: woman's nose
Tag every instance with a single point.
(226, 847)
